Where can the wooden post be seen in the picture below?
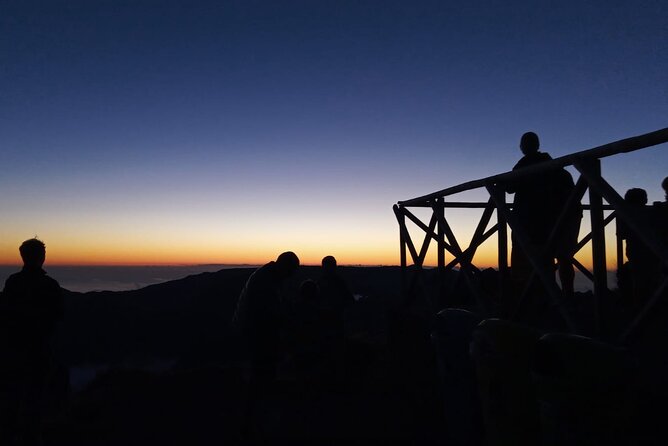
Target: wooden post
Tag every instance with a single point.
(503, 246)
(439, 210)
(597, 246)
(401, 219)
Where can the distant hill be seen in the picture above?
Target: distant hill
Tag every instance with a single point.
(184, 319)
(387, 398)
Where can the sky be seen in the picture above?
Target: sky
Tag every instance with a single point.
(164, 132)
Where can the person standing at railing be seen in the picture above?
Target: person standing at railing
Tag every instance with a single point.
(538, 203)
(661, 216)
(639, 275)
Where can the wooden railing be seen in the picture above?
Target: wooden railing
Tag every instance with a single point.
(587, 164)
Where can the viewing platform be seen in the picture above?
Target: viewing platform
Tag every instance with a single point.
(497, 219)
(524, 364)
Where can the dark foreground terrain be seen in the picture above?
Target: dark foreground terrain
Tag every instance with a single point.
(170, 371)
(160, 365)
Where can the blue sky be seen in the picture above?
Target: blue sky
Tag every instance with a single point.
(161, 131)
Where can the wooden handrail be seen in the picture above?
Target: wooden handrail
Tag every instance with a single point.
(622, 146)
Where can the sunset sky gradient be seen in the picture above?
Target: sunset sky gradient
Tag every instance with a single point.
(163, 132)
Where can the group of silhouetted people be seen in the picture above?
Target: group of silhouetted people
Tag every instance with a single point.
(547, 212)
(308, 327)
(316, 326)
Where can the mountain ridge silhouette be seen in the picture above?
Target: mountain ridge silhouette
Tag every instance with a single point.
(174, 318)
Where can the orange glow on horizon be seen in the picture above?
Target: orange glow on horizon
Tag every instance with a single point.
(369, 248)
(57, 255)
(84, 256)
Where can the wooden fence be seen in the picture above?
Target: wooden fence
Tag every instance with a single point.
(588, 165)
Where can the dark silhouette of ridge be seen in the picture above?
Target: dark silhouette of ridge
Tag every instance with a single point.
(197, 400)
(171, 319)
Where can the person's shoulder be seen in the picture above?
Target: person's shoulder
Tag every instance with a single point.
(50, 281)
(531, 159)
(521, 163)
(262, 280)
(265, 271)
(13, 279)
(15, 276)
(267, 267)
(538, 157)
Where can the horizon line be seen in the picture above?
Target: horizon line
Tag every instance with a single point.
(185, 265)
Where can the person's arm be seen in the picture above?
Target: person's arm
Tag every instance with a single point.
(55, 306)
(511, 186)
(7, 292)
(4, 296)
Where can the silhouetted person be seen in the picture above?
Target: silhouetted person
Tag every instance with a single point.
(538, 203)
(258, 316)
(309, 338)
(30, 307)
(643, 268)
(335, 296)
(661, 214)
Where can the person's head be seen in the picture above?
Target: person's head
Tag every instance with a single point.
(308, 291)
(529, 143)
(664, 185)
(329, 263)
(287, 263)
(33, 253)
(636, 196)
